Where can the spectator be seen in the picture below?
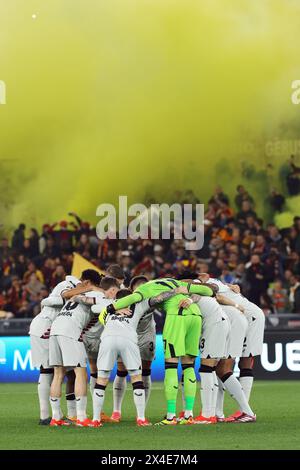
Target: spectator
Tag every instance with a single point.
(21, 266)
(293, 178)
(51, 249)
(47, 231)
(58, 275)
(5, 250)
(294, 294)
(83, 245)
(48, 269)
(34, 243)
(266, 304)
(242, 195)
(18, 238)
(273, 234)
(259, 246)
(276, 201)
(15, 296)
(26, 249)
(32, 269)
(256, 277)
(295, 235)
(245, 212)
(64, 237)
(219, 196)
(33, 286)
(288, 274)
(278, 296)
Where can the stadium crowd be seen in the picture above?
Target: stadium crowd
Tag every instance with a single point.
(238, 248)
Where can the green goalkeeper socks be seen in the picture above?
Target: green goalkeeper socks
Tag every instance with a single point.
(171, 388)
(190, 387)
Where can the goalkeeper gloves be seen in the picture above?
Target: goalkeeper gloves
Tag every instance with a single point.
(109, 310)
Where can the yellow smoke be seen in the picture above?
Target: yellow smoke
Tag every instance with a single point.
(286, 218)
(109, 97)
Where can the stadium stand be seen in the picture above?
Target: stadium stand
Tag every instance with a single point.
(239, 248)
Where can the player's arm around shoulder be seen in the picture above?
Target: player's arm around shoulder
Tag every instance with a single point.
(188, 301)
(158, 299)
(223, 300)
(198, 288)
(103, 307)
(52, 301)
(120, 304)
(128, 300)
(82, 299)
(234, 287)
(81, 289)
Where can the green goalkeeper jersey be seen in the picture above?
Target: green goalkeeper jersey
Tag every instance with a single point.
(171, 306)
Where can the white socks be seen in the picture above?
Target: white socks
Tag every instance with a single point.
(93, 380)
(98, 401)
(139, 399)
(119, 389)
(206, 393)
(220, 399)
(81, 403)
(44, 385)
(233, 386)
(120, 386)
(215, 392)
(71, 405)
(147, 385)
(55, 406)
(247, 383)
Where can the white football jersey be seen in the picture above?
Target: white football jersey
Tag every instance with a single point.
(94, 328)
(122, 325)
(147, 321)
(211, 311)
(41, 323)
(72, 319)
(223, 288)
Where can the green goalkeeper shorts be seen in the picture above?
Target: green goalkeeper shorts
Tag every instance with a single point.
(181, 335)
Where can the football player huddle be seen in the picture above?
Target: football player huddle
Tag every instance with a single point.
(97, 320)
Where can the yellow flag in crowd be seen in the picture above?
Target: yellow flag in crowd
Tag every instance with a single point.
(80, 264)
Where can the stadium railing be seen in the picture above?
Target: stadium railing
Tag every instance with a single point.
(15, 326)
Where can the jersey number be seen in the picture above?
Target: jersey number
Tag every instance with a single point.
(70, 306)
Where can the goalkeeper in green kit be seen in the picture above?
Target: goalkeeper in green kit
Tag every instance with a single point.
(181, 336)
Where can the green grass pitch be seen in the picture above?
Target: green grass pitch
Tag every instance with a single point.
(276, 405)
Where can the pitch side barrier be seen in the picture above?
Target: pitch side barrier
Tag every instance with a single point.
(280, 359)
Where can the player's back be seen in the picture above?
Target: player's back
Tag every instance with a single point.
(146, 321)
(72, 319)
(127, 325)
(211, 310)
(48, 314)
(94, 328)
(224, 289)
